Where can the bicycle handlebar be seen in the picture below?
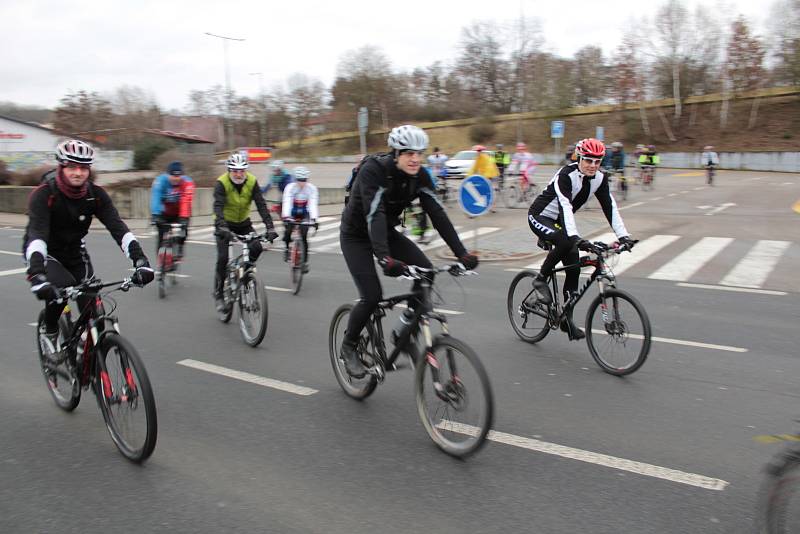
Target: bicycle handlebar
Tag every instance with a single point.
(95, 285)
(415, 272)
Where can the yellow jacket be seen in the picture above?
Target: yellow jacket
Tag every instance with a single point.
(485, 166)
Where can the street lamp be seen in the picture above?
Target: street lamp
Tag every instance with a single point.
(225, 40)
(263, 121)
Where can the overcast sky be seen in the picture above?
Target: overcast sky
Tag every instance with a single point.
(53, 47)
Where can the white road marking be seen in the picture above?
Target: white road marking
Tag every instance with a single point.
(438, 310)
(33, 324)
(630, 206)
(13, 271)
(699, 188)
(687, 263)
(672, 195)
(622, 464)
(200, 242)
(247, 377)
(756, 266)
(720, 208)
(735, 289)
(178, 275)
(11, 253)
(462, 235)
(275, 288)
(684, 191)
(683, 342)
(657, 198)
(641, 251)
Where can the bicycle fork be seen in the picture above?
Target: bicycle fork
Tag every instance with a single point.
(441, 390)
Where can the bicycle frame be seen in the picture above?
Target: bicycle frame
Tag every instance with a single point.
(600, 274)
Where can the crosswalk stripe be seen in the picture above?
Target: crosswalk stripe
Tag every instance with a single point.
(326, 237)
(756, 266)
(463, 236)
(13, 271)
(686, 264)
(641, 251)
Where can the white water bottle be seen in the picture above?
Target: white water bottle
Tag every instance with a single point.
(402, 324)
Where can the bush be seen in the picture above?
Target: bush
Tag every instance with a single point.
(147, 151)
(201, 167)
(30, 176)
(482, 132)
(5, 174)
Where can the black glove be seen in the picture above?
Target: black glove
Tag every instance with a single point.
(157, 220)
(316, 225)
(271, 235)
(626, 242)
(143, 274)
(585, 245)
(469, 261)
(43, 289)
(392, 267)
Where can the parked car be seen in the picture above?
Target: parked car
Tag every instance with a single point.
(459, 165)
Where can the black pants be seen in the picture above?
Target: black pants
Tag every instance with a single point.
(563, 250)
(287, 236)
(64, 275)
(358, 256)
(254, 248)
(163, 227)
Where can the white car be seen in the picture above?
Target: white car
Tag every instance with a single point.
(459, 165)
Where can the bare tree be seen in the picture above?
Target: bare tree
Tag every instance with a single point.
(785, 41)
(83, 111)
(484, 70)
(306, 99)
(675, 39)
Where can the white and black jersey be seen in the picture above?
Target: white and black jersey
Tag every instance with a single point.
(568, 190)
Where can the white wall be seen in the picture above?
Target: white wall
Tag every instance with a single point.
(19, 137)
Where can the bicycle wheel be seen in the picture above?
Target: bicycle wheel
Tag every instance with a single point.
(529, 316)
(357, 388)
(225, 314)
(620, 342)
(458, 416)
(253, 310)
(779, 510)
(126, 398)
(509, 194)
(59, 373)
(163, 269)
(296, 262)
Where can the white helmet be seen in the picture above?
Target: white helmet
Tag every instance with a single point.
(75, 151)
(301, 174)
(408, 137)
(237, 162)
(277, 164)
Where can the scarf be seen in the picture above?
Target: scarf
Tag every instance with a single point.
(68, 190)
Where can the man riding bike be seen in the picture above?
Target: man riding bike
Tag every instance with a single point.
(502, 159)
(709, 159)
(233, 193)
(171, 202)
(552, 218)
(384, 186)
(60, 212)
(279, 178)
(300, 203)
(524, 165)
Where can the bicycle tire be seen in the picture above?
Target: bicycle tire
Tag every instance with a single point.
(68, 397)
(619, 329)
(131, 386)
(256, 300)
(447, 421)
(356, 388)
(297, 259)
(779, 502)
(529, 311)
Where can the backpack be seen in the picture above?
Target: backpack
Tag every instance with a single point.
(348, 185)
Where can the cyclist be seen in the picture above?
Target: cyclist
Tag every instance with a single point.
(569, 155)
(524, 165)
(485, 166)
(552, 218)
(709, 159)
(279, 178)
(502, 159)
(60, 212)
(300, 203)
(615, 161)
(171, 202)
(384, 186)
(233, 193)
(649, 160)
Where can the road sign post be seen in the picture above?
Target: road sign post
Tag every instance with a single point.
(475, 197)
(557, 133)
(363, 123)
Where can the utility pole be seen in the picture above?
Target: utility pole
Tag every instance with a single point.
(263, 121)
(229, 129)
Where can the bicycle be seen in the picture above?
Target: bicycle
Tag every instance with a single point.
(94, 354)
(166, 264)
(241, 286)
(298, 262)
(710, 170)
(648, 173)
(443, 191)
(779, 496)
(517, 196)
(622, 182)
(447, 387)
(615, 319)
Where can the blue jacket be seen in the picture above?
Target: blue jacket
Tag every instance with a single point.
(171, 200)
(281, 180)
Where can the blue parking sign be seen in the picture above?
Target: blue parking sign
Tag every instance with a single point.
(557, 129)
(476, 195)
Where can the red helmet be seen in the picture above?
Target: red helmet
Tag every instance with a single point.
(592, 148)
(479, 148)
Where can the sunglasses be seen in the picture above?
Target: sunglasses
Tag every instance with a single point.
(592, 161)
